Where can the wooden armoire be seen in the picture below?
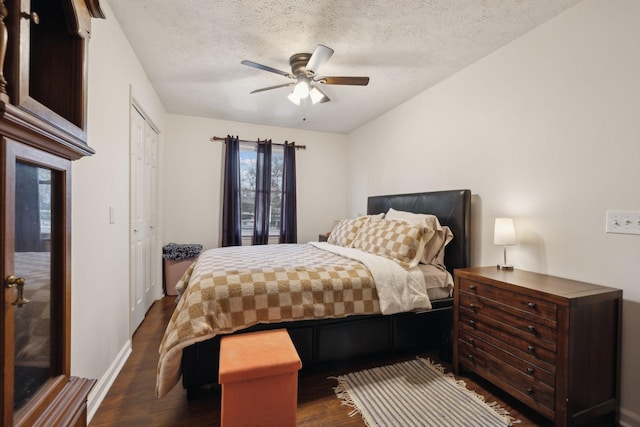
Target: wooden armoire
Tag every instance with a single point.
(43, 98)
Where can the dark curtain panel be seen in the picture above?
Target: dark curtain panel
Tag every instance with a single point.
(231, 226)
(289, 220)
(263, 193)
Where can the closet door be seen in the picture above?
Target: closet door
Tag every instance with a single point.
(145, 255)
(35, 267)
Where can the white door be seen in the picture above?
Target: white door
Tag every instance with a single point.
(143, 251)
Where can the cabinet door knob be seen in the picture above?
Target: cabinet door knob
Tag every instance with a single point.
(531, 348)
(472, 307)
(33, 16)
(531, 328)
(470, 357)
(472, 323)
(472, 287)
(471, 341)
(530, 371)
(531, 305)
(529, 390)
(19, 284)
(12, 281)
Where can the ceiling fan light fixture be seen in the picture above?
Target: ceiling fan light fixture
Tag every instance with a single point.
(304, 73)
(294, 98)
(301, 89)
(317, 97)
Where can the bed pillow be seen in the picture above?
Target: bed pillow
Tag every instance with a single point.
(435, 245)
(414, 218)
(399, 241)
(346, 230)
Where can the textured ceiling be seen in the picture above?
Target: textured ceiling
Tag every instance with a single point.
(191, 51)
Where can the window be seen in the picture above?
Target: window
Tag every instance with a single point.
(44, 196)
(248, 185)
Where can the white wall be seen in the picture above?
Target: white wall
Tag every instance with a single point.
(192, 177)
(100, 250)
(546, 130)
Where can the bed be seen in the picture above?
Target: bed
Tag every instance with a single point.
(324, 333)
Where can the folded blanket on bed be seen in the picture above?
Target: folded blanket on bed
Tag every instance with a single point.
(398, 289)
(232, 288)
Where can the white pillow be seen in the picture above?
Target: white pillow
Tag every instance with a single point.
(436, 246)
(430, 221)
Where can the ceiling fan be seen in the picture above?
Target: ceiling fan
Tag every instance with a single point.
(304, 69)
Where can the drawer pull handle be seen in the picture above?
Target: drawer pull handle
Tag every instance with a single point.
(472, 287)
(472, 323)
(530, 371)
(472, 307)
(531, 328)
(529, 390)
(470, 357)
(531, 348)
(532, 305)
(471, 341)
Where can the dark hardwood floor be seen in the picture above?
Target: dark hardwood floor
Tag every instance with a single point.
(132, 400)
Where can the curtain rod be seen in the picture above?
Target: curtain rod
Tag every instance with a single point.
(218, 138)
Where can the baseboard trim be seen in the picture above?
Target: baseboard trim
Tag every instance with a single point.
(103, 385)
(628, 418)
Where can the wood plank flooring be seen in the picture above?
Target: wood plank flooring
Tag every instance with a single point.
(132, 400)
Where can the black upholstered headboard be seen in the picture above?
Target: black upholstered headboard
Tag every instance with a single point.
(452, 207)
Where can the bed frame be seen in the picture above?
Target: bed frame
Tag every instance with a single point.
(334, 340)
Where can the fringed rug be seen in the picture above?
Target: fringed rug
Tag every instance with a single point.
(416, 393)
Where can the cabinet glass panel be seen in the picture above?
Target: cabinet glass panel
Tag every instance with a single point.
(32, 262)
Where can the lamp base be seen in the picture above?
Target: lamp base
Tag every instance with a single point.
(504, 267)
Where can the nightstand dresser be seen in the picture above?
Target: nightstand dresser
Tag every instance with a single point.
(552, 343)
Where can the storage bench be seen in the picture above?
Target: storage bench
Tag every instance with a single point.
(258, 373)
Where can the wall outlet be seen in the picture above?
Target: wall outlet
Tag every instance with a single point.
(623, 222)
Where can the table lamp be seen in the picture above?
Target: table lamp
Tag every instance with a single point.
(504, 234)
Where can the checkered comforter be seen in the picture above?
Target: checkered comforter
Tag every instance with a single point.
(237, 287)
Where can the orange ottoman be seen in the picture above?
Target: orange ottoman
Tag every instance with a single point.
(259, 378)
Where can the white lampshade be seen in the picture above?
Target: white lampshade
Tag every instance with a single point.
(294, 98)
(301, 89)
(317, 96)
(504, 233)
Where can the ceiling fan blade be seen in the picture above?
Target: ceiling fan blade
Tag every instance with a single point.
(355, 81)
(267, 68)
(272, 87)
(320, 56)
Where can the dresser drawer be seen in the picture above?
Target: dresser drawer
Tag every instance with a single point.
(514, 300)
(531, 392)
(530, 347)
(534, 328)
(538, 370)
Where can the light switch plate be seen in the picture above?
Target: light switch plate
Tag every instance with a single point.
(623, 222)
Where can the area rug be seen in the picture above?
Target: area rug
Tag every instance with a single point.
(416, 393)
